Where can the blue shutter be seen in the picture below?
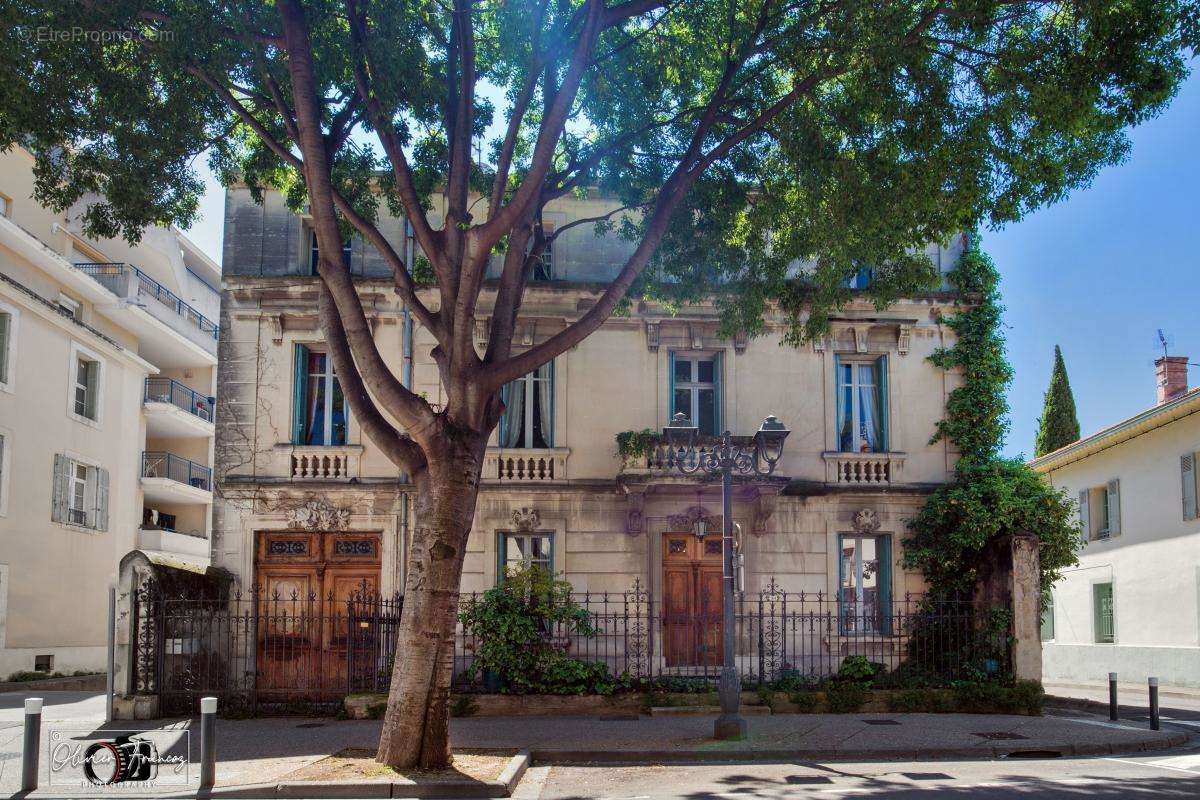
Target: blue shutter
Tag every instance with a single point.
(503, 432)
(299, 392)
(718, 416)
(839, 412)
(670, 386)
(883, 552)
(885, 428)
(550, 433)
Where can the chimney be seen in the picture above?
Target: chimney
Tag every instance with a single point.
(1171, 372)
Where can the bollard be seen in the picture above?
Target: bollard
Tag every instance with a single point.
(33, 735)
(1112, 696)
(1154, 721)
(208, 742)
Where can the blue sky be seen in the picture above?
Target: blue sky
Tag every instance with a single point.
(1097, 274)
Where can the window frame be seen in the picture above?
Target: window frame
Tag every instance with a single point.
(8, 358)
(1046, 630)
(502, 537)
(880, 364)
(314, 251)
(885, 584)
(6, 446)
(6, 206)
(81, 488)
(300, 396)
(72, 307)
(695, 386)
(81, 353)
(1099, 588)
(529, 383)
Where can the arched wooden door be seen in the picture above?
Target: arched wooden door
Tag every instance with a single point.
(692, 600)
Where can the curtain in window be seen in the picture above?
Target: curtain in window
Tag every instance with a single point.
(869, 408)
(513, 395)
(314, 406)
(545, 389)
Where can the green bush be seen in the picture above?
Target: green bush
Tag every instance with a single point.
(791, 680)
(846, 697)
(805, 702)
(859, 668)
(523, 628)
(1029, 697)
(681, 685)
(918, 701)
(29, 675)
(463, 705)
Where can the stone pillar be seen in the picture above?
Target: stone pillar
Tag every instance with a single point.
(1010, 577)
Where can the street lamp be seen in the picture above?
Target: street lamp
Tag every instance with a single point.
(726, 459)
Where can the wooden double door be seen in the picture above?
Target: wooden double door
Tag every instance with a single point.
(692, 600)
(305, 582)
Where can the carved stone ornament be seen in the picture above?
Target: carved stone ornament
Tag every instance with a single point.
(653, 336)
(687, 520)
(740, 340)
(635, 518)
(526, 519)
(766, 507)
(318, 515)
(903, 339)
(866, 521)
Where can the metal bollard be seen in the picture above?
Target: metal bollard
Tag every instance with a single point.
(1112, 696)
(208, 742)
(1154, 721)
(31, 751)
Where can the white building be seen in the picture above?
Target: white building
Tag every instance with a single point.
(1132, 606)
(108, 358)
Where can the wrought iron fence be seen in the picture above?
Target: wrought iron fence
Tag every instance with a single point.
(280, 649)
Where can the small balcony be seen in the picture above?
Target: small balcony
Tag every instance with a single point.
(138, 289)
(863, 469)
(525, 465)
(168, 478)
(321, 462)
(659, 459)
(174, 410)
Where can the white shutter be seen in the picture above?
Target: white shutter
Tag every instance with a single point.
(90, 403)
(1085, 516)
(61, 488)
(5, 338)
(1114, 507)
(101, 521)
(1187, 469)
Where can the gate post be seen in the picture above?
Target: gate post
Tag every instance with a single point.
(1010, 577)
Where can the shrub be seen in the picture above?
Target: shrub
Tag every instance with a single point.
(463, 705)
(791, 680)
(1029, 697)
(805, 702)
(846, 697)
(914, 701)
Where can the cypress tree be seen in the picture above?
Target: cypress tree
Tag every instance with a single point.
(1058, 425)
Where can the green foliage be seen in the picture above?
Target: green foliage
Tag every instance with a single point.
(463, 705)
(678, 684)
(859, 668)
(805, 702)
(846, 697)
(989, 496)
(1026, 697)
(1058, 425)
(921, 700)
(637, 444)
(791, 680)
(522, 628)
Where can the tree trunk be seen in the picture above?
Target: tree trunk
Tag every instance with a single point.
(416, 730)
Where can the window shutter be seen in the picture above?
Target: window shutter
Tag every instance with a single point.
(718, 368)
(1085, 516)
(299, 392)
(670, 386)
(93, 369)
(1187, 468)
(100, 523)
(550, 377)
(840, 411)
(505, 390)
(883, 552)
(58, 495)
(1114, 506)
(885, 427)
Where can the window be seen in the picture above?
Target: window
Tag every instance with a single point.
(517, 549)
(543, 268)
(862, 408)
(1187, 470)
(860, 280)
(1048, 618)
(320, 416)
(1102, 608)
(5, 205)
(43, 663)
(69, 307)
(865, 584)
(528, 419)
(314, 252)
(4, 470)
(696, 391)
(80, 495)
(85, 389)
(1100, 511)
(8, 339)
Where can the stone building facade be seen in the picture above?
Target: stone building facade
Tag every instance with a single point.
(305, 502)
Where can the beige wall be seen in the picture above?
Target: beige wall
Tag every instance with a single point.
(1153, 565)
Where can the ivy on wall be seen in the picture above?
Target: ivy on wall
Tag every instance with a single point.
(990, 496)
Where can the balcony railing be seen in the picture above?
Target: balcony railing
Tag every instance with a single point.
(176, 468)
(522, 465)
(169, 390)
(116, 276)
(863, 469)
(659, 458)
(324, 463)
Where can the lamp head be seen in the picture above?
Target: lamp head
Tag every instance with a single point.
(680, 434)
(770, 437)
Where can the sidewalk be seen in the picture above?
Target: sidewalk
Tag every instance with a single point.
(267, 751)
(1136, 695)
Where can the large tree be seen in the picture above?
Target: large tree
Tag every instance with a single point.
(1058, 425)
(743, 135)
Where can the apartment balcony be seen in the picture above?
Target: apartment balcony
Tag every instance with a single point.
(171, 332)
(659, 460)
(525, 465)
(863, 469)
(176, 411)
(174, 543)
(168, 478)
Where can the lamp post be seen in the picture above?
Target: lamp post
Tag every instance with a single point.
(726, 459)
